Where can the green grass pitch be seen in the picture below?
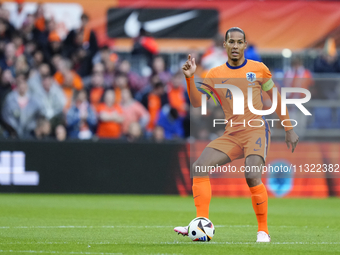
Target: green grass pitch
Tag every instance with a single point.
(124, 224)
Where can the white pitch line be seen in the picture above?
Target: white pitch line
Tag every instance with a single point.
(60, 252)
(238, 243)
(75, 252)
(47, 242)
(217, 226)
(28, 227)
(170, 243)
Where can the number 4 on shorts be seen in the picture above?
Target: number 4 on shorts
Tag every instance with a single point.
(259, 142)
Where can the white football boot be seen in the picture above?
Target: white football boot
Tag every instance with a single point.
(181, 230)
(263, 237)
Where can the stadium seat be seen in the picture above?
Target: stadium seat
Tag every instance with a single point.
(322, 118)
(337, 122)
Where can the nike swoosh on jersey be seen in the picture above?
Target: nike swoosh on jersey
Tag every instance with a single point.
(225, 81)
(261, 202)
(132, 24)
(257, 149)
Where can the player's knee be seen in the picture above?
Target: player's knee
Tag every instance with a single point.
(253, 175)
(254, 160)
(253, 170)
(199, 168)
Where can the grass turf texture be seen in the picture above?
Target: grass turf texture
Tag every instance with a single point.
(110, 224)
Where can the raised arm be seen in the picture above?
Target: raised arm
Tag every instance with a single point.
(189, 69)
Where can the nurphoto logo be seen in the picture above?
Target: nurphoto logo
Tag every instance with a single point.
(238, 102)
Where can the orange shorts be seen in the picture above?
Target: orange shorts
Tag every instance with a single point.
(244, 143)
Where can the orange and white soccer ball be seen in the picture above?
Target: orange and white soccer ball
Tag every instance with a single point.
(201, 229)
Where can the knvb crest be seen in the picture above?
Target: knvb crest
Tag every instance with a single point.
(251, 76)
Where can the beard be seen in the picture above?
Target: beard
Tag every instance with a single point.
(234, 59)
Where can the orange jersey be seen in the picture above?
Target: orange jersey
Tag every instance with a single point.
(77, 84)
(250, 74)
(109, 129)
(154, 106)
(96, 94)
(177, 100)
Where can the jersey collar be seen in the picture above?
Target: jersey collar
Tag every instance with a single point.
(237, 67)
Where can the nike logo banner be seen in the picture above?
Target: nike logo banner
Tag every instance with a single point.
(162, 23)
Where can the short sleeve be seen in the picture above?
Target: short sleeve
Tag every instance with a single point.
(267, 82)
(207, 84)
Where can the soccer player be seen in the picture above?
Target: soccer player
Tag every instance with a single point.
(238, 141)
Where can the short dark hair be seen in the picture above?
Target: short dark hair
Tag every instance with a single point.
(158, 85)
(121, 74)
(85, 16)
(104, 47)
(235, 29)
(78, 92)
(23, 74)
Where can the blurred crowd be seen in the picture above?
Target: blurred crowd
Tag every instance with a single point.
(71, 88)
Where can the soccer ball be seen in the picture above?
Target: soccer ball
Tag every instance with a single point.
(201, 229)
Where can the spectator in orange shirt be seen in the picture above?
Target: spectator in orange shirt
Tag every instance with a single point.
(18, 40)
(83, 38)
(176, 95)
(54, 45)
(110, 117)
(97, 88)
(133, 111)
(109, 60)
(68, 79)
(121, 82)
(40, 18)
(144, 46)
(154, 101)
(50, 27)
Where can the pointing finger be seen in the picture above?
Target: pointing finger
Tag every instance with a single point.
(189, 57)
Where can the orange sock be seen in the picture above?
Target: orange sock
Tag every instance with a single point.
(201, 190)
(259, 198)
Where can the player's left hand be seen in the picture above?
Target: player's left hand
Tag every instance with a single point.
(291, 139)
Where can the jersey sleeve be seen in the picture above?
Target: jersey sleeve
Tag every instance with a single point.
(267, 82)
(207, 84)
